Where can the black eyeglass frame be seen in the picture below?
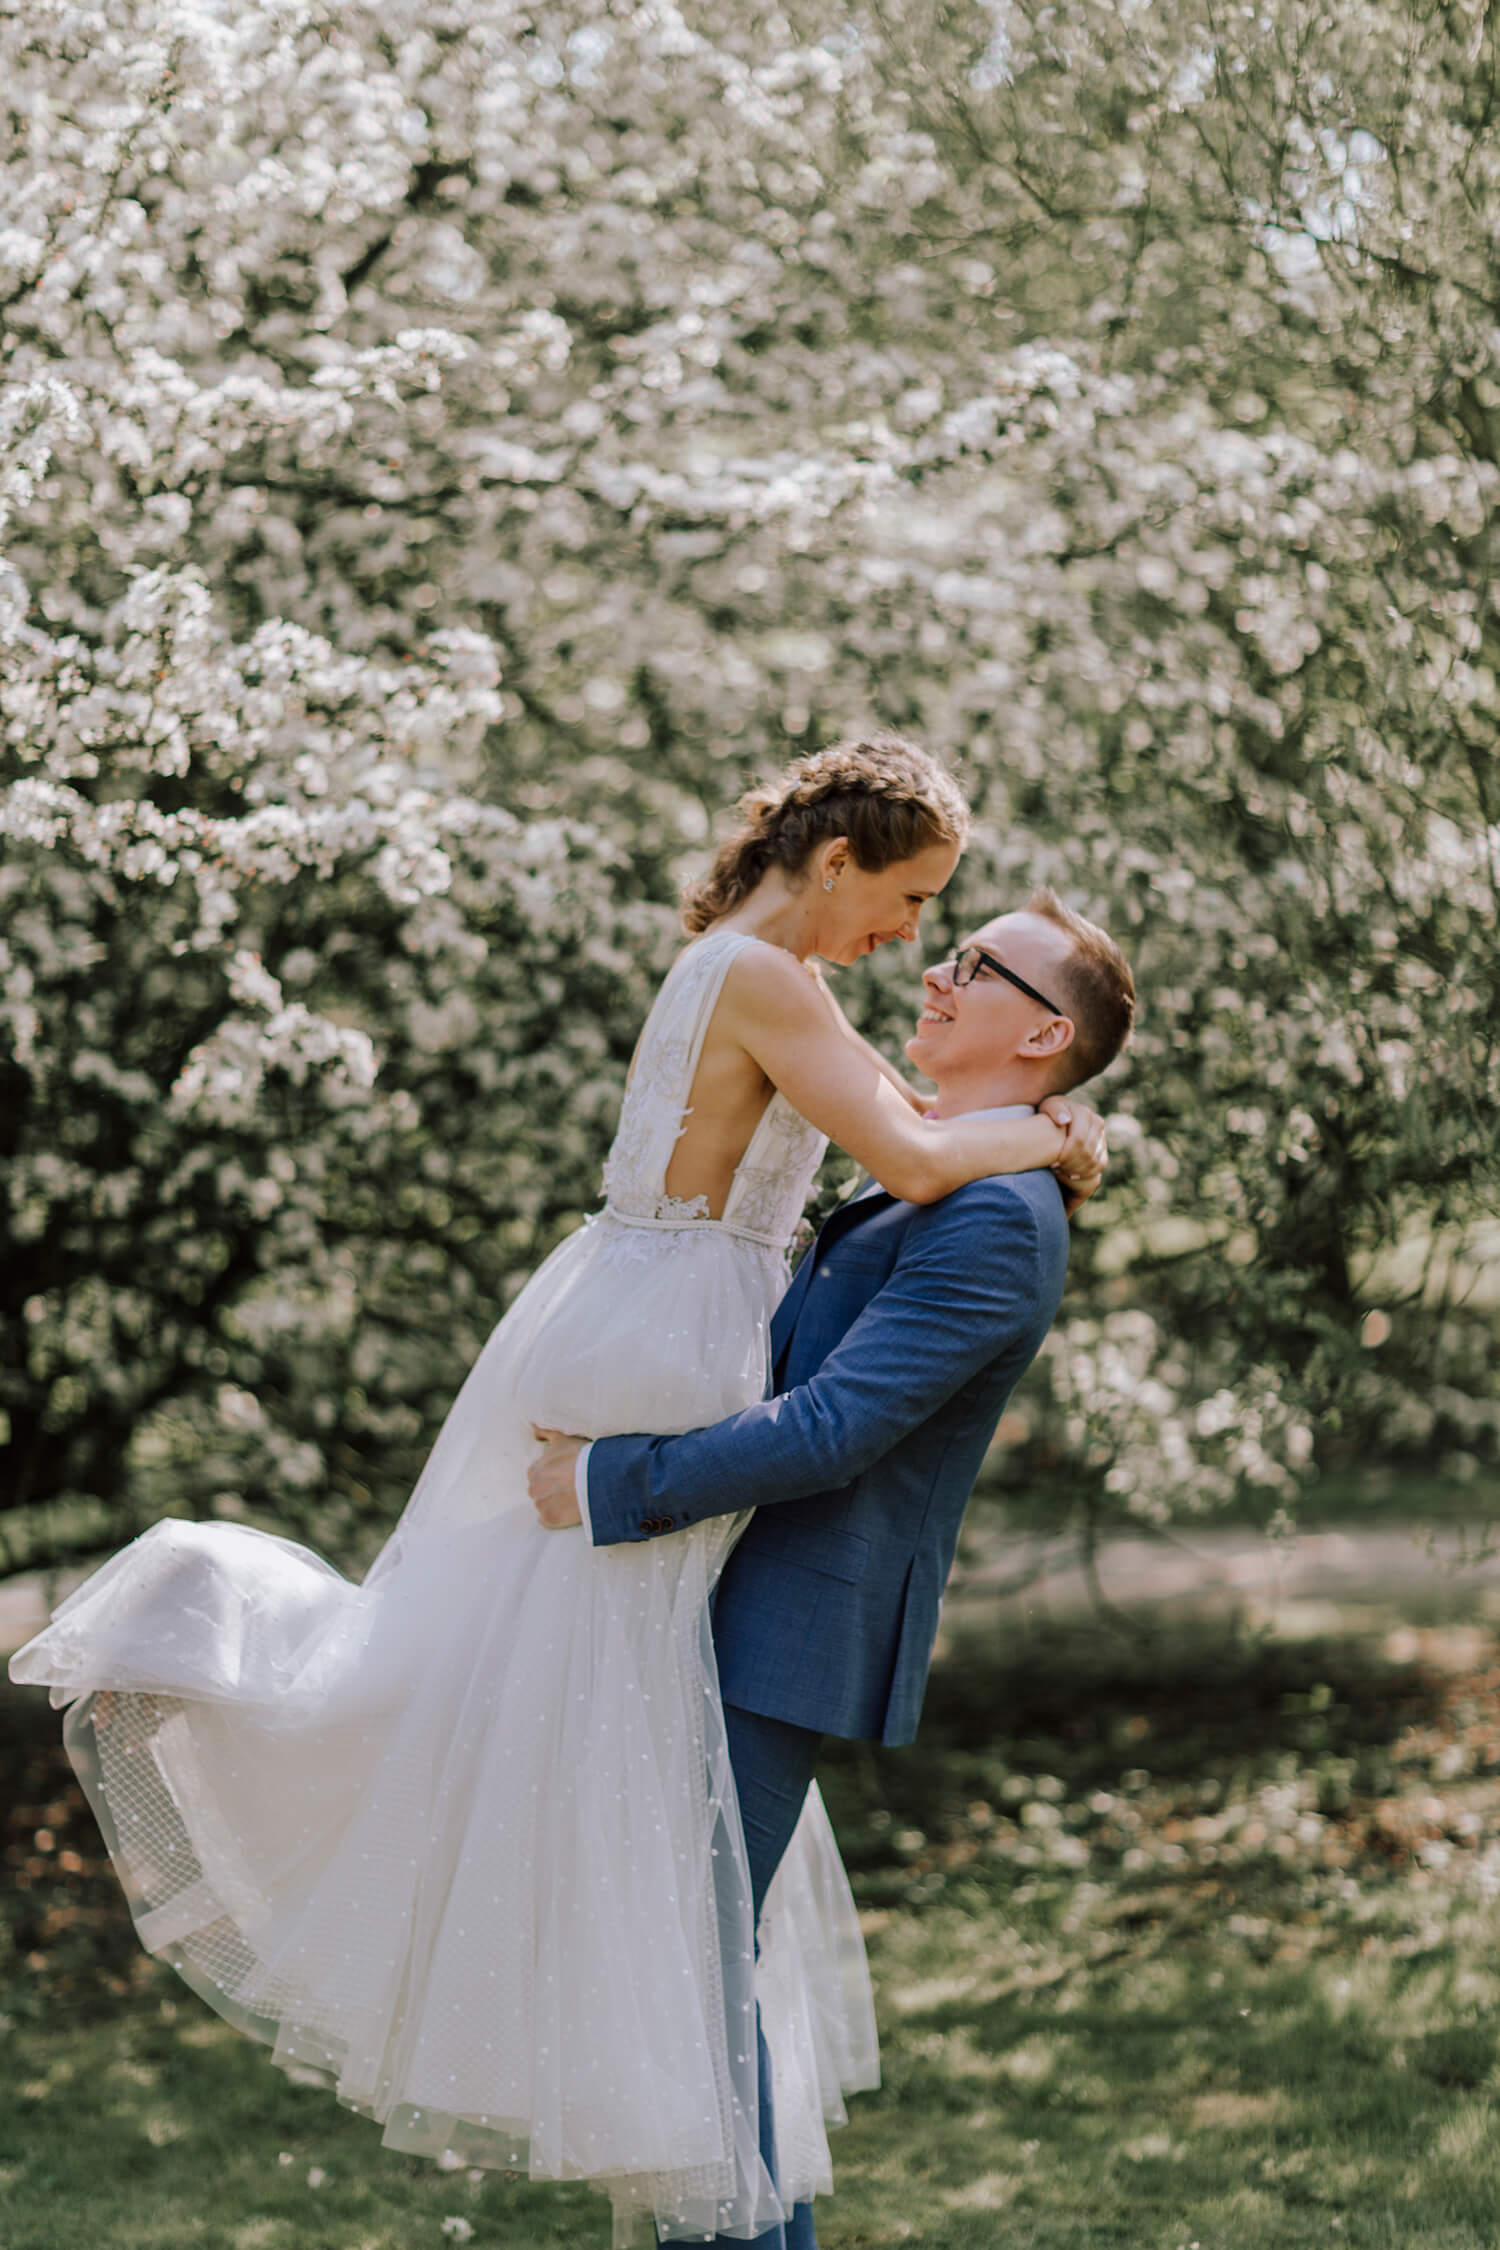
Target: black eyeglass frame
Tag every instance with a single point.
(977, 957)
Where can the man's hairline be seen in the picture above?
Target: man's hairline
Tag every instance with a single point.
(1010, 913)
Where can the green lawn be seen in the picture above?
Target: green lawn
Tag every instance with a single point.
(1179, 1943)
(1099, 2077)
(1351, 1499)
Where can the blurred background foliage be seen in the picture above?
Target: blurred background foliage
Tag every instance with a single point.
(447, 449)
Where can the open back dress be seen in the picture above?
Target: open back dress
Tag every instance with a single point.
(461, 1841)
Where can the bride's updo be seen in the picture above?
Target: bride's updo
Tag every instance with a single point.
(887, 796)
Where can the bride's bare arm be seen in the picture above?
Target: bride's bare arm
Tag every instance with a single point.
(784, 1020)
(919, 1102)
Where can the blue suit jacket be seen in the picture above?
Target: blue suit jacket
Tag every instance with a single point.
(894, 1350)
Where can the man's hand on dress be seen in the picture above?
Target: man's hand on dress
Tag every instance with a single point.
(1081, 1161)
(551, 1480)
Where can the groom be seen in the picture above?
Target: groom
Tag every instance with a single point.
(895, 1349)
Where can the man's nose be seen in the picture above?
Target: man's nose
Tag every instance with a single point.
(939, 978)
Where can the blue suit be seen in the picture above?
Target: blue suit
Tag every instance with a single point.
(894, 1350)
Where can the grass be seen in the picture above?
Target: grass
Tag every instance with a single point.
(1366, 1498)
(1097, 2078)
(1192, 1941)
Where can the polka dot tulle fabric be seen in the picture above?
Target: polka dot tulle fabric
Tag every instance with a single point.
(462, 1840)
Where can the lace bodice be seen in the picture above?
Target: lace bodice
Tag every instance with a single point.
(772, 1178)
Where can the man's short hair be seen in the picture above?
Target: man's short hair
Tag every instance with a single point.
(1098, 992)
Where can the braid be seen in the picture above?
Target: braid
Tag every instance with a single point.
(884, 794)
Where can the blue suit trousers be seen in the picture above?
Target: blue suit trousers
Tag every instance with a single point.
(772, 1762)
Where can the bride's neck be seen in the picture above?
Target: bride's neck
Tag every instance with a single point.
(778, 914)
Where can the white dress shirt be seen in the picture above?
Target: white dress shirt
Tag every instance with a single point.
(871, 1187)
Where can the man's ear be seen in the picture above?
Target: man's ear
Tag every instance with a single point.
(1053, 1038)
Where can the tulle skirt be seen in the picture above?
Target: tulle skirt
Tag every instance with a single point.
(462, 1841)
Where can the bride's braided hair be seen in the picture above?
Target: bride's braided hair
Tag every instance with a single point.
(887, 796)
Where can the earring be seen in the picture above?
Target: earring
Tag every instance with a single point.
(828, 882)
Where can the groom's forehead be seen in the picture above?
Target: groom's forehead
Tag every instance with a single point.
(993, 932)
(1019, 934)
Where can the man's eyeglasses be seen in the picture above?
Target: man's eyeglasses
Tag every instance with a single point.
(972, 958)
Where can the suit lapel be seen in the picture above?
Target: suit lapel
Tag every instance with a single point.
(834, 1228)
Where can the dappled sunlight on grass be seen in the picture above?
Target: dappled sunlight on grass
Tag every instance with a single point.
(992, 2191)
(1265, 2048)
(1466, 2134)
(1030, 2061)
(1223, 2112)
(1243, 2102)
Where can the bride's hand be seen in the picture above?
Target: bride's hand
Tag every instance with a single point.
(551, 1481)
(1080, 1162)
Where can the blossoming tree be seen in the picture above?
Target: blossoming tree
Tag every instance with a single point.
(446, 448)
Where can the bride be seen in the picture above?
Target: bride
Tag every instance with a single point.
(462, 1842)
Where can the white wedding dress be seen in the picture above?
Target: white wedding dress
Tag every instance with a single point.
(462, 1841)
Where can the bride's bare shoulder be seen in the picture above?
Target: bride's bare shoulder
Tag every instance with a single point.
(763, 967)
(766, 982)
